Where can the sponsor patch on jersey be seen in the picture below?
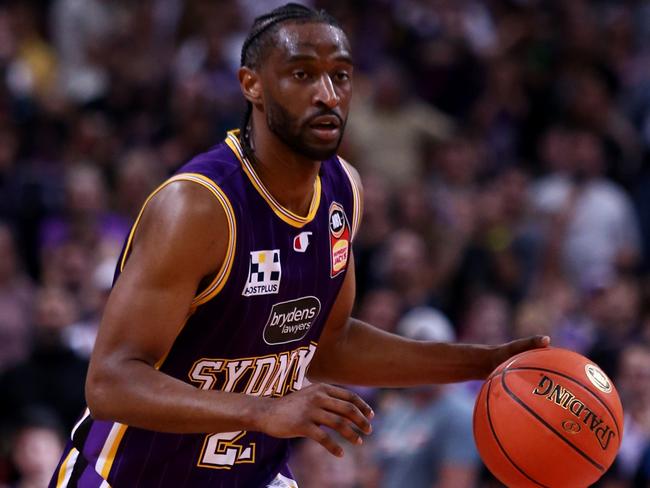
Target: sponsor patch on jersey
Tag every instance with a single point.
(339, 239)
(264, 273)
(290, 321)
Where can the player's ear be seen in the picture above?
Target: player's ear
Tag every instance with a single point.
(250, 84)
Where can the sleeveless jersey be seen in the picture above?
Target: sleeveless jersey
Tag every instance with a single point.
(254, 329)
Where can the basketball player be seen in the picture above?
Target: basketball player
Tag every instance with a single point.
(236, 285)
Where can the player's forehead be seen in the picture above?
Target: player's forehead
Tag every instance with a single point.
(312, 39)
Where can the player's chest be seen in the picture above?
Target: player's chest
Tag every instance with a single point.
(276, 258)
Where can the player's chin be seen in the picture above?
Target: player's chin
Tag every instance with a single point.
(319, 149)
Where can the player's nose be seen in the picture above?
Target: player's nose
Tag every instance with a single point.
(325, 93)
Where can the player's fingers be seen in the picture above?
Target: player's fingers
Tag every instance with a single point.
(505, 351)
(349, 396)
(348, 410)
(534, 342)
(339, 424)
(320, 436)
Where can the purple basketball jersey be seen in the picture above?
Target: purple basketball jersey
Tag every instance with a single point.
(254, 329)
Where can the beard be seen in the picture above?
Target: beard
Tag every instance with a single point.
(295, 134)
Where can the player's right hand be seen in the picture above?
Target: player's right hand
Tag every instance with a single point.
(305, 413)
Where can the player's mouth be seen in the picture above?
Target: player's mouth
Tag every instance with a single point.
(326, 127)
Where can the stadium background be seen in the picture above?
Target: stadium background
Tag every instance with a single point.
(503, 146)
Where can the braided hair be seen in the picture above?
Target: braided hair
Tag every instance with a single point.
(260, 39)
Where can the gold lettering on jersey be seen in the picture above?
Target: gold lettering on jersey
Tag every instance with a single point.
(305, 355)
(277, 385)
(263, 369)
(272, 375)
(234, 371)
(566, 399)
(205, 372)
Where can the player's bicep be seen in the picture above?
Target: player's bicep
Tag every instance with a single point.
(182, 238)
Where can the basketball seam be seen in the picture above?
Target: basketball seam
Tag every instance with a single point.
(545, 423)
(496, 438)
(584, 385)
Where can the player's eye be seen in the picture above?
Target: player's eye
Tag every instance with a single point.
(342, 76)
(300, 75)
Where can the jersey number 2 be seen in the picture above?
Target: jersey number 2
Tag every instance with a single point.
(221, 451)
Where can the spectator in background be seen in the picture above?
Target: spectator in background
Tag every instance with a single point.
(614, 311)
(36, 446)
(406, 268)
(205, 59)
(501, 252)
(386, 129)
(441, 47)
(138, 174)
(554, 306)
(413, 209)
(487, 319)
(382, 306)
(534, 317)
(33, 72)
(81, 31)
(423, 436)
(81, 335)
(633, 384)
(53, 375)
(69, 267)
(501, 112)
(86, 218)
(454, 166)
(589, 104)
(16, 295)
(590, 221)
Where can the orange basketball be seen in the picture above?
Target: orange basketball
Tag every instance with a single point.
(548, 418)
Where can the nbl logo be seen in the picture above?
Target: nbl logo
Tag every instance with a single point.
(264, 273)
(337, 222)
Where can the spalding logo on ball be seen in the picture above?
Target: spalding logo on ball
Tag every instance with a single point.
(548, 418)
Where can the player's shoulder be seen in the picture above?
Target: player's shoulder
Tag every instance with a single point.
(349, 168)
(198, 191)
(217, 164)
(352, 173)
(188, 201)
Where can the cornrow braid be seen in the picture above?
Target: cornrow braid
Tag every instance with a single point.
(260, 38)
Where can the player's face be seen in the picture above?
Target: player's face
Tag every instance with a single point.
(307, 85)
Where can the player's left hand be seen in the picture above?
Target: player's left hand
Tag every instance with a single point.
(504, 351)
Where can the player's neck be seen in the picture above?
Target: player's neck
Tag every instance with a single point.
(288, 176)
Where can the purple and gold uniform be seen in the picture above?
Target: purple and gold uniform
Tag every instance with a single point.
(254, 329)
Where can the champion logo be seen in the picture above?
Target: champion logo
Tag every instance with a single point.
(301, 242)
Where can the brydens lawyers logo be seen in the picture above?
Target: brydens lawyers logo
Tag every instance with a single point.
(301, 242)
(264, 272)
(339, 239)
(290, 321)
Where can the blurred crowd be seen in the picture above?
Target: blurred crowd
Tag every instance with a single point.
(504, 147)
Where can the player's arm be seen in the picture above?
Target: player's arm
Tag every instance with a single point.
(353, 352)
(181, 239)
